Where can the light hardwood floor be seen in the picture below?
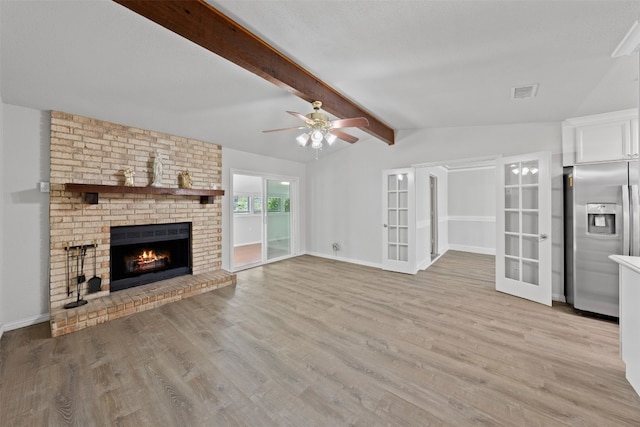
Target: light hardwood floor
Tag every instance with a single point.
(316, 342)
(247, 254)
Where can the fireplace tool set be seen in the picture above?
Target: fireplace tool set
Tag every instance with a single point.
(77, 254)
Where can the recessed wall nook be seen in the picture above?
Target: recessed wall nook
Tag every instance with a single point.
(90, 203)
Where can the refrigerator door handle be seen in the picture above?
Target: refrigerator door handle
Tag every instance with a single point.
(625, 220)
(635, 228)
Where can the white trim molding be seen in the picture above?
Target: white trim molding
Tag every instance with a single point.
(630, 43)
(472, 249)
(25, 322)
(349, 260)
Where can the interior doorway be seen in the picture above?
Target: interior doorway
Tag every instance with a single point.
(433, 186)
(263, 216)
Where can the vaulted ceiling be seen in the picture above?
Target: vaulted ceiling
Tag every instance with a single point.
(413, 64)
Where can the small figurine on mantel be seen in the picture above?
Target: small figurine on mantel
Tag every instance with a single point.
(184, 179)
(128, 177)
(157, 171)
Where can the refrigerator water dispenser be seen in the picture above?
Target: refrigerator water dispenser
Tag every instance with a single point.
(601, 218)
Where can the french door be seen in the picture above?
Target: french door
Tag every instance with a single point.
(398, 228)
(523, 226)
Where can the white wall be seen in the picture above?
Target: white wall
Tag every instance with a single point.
(345, 189)
(472, 210)
(2, 300)
(25, 217)
(240, 161)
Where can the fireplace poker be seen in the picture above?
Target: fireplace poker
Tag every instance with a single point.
(81, 276)
(68, 271)
(78, 302)
(77, 266)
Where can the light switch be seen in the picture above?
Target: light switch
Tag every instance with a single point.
(44, 187)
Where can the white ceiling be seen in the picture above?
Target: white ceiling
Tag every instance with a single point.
(413, 64)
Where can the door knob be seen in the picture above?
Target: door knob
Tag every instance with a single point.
(384, 225)
(543, 237)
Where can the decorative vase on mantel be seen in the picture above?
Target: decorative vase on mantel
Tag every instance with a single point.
(157, 171)
(184, 180)
(128, 177)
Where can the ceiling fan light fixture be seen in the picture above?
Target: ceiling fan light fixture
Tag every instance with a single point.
(316, 136)
(303, 139)
(319, 128)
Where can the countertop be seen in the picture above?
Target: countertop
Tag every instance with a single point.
(632, 262)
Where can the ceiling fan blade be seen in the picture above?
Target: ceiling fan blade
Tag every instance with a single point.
(300, 116)
(344, 136)
(278, 130)
(356, 122)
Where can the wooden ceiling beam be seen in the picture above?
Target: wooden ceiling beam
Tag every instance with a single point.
(200, 23)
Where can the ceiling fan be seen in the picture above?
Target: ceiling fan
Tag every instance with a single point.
(318, 127)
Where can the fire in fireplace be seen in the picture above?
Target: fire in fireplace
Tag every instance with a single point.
(147, 261)
(147, 253)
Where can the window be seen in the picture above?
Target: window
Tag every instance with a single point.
(241, 204)
(274, 204)
(257, 204)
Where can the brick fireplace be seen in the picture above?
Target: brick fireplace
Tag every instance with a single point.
(90, 151)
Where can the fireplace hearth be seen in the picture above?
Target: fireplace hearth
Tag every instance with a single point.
(143, 254)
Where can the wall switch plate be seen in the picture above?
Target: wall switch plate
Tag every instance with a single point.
(44, 187)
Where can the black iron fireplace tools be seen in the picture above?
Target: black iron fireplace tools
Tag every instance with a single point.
(94, 284)
(79, 253)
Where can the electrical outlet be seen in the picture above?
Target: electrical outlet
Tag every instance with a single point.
(44, 187)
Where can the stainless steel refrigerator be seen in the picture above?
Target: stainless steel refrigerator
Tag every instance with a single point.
(601, 217)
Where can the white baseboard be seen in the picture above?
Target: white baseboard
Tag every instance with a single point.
(472, 249)
(26, 322)
(247, 244)
(349, 260)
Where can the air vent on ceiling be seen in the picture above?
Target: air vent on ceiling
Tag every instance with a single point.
(524, 92)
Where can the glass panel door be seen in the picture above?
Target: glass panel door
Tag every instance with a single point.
(398, 217)
(277, 207)
(521, 221)
(263, 219)
(523, 246)
(399, 221)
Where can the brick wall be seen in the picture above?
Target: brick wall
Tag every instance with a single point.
(90, 151)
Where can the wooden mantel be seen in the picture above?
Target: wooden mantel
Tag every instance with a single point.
(91, 191)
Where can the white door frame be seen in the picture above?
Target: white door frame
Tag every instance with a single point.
(294, 190)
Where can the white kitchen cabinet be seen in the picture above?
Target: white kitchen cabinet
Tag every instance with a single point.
(630, 316)
(600, 138)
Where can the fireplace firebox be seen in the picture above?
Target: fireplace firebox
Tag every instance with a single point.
(143, 254)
